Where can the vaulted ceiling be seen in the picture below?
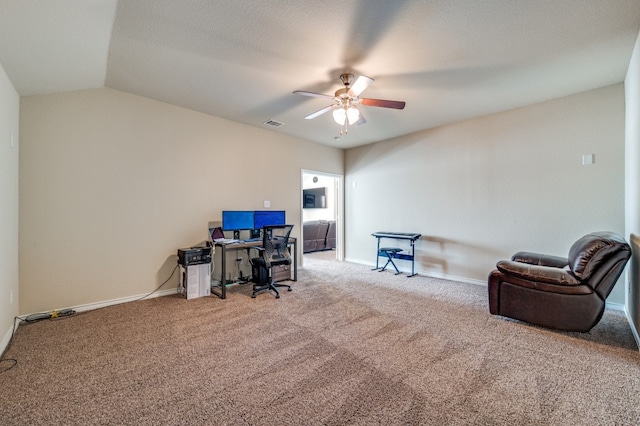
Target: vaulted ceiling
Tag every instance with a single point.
(241, 60)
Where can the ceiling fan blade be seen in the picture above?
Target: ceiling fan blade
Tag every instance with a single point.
(358, 87)
(320, 112)
(383, 103)
(313, 94)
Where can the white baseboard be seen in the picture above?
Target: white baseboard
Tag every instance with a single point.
(105, 303)
(7, 336)
(615, 306)
(88, 307)
(431, 274)
(608, 305)
(634, 329)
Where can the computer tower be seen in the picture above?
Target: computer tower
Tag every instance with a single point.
(279, 273)
(195, 280)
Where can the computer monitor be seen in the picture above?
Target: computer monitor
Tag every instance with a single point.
(236, 221)
(263, 218)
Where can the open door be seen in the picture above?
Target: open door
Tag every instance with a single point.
(322, 214)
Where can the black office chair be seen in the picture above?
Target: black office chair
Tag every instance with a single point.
(275, 252)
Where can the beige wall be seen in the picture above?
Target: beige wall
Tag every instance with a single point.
(480, 190)
(9, 108)
(112, 184)
(632, 179)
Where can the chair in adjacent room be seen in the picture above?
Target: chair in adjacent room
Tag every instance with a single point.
(274, 252)
(563, 293)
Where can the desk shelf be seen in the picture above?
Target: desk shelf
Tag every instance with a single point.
(220, 290)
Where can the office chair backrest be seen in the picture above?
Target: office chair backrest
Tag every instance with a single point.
(275, 241)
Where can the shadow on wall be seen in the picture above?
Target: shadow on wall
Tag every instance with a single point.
(430, 254)
(451, 257)
(168, 275)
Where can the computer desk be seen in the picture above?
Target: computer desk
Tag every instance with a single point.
(241, 245)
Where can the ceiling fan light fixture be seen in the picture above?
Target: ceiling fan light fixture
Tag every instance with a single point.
(347, 99)
(353, 115)
(341, 115)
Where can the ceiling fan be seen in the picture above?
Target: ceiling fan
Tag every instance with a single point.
(346, 101)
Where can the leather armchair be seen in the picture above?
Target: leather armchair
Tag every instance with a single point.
(557, 292)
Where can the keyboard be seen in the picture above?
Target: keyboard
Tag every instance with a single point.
(252, 240)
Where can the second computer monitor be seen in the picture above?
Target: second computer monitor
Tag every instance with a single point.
(236, 221)
(264, 218)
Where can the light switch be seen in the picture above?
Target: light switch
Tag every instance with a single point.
(587, 159)
(12, 143)
(267, 203)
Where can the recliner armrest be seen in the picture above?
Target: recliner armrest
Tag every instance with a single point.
(547, 274)
(540, 259)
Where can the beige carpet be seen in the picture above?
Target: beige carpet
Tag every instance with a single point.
(346, 346)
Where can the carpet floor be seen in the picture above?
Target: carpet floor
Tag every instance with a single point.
(348, 346)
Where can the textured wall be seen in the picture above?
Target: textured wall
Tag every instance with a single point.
(112, 184)
(480, 190)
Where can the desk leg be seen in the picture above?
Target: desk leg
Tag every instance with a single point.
(223, 281)
(295, 260)
(223, 278)
(413, 258)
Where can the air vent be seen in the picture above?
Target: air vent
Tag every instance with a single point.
(273, 123)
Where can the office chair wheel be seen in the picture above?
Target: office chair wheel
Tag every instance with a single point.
(289, 289)
(253, 296)
(277, 296)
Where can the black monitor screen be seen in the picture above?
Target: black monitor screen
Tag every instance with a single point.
(269, 217)
(314, 198)
(237, 220)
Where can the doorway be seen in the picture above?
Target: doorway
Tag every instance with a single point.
(322, 214)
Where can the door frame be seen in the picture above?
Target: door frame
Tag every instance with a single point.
(338, 213)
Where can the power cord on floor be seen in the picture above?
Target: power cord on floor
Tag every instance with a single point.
(160, 286)
(12, 361)
(58, 314)
(29, 319)
(49, 315)
(146, 295)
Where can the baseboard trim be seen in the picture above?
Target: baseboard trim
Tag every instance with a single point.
(430, 274)
(4, 343)
(614, 306)
(105, 303)
(89, 307)
(634, 329)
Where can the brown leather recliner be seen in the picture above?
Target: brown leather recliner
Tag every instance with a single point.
(557, 292)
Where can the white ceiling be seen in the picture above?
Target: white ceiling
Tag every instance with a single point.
(449, 60)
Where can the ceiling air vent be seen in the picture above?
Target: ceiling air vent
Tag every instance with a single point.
(273, 123)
